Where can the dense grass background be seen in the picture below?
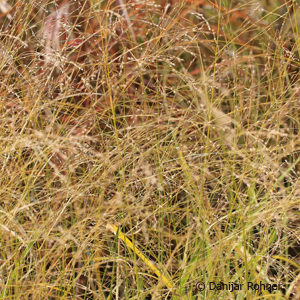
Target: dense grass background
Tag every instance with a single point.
(170, 124)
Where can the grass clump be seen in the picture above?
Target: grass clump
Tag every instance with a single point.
(149, 149)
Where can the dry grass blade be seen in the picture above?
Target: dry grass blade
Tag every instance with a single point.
(149, 263)
(54, 27)
(5, 8)
(125, 13)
